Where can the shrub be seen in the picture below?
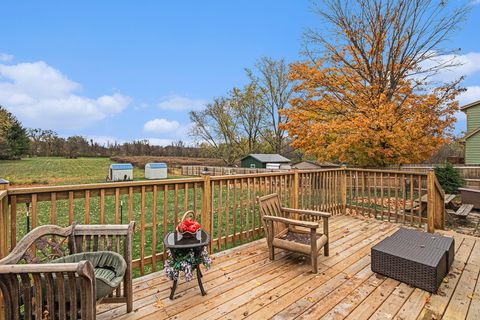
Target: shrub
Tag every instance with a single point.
(449, 178)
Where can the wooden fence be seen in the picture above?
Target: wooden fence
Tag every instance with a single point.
(226, 205)
(223, 171)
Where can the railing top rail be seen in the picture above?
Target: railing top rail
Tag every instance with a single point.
(251, 175)
(104, 185)
(389, 171)
(320, 170)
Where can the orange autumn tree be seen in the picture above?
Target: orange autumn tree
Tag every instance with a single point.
(369, 96)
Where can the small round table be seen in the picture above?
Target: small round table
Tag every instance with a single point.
(178, 244)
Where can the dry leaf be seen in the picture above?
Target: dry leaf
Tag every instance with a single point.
(258, 283)
(445, 280)
(158, 303)
(310, 299)
(471, 295)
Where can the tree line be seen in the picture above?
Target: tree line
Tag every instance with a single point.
(17, 141)
(48, 143)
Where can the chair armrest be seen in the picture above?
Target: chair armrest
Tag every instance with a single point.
(306, 224)
(308, 212)
(82, 268)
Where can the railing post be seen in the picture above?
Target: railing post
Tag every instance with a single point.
(431, 203)
(4, 184)
(4, 225)
(295, 190)
(344, 189)
(206, 213)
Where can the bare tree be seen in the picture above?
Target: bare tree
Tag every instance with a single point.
(247, 108)
(275, 88)
(217, 126)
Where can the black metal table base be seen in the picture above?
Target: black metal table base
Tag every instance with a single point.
(200, 284)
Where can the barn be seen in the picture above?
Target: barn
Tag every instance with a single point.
(120, 172)
(156, 170)
(266, 161)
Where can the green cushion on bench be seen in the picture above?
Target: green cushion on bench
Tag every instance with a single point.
(109, 269)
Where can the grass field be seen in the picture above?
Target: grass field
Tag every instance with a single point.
(58, 171)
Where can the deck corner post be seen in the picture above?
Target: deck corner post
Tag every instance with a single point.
(206, 213)
(4, 226)
(431, 201)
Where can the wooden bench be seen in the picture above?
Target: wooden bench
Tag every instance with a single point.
(462, 212)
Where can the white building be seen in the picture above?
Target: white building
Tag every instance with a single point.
(120, 172)
(156, 170)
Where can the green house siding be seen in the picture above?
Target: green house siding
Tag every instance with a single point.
(248, 161)
(472, 149)
(473, 118)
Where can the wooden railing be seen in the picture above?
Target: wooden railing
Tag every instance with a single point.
(394, 196)
(226, 205)
(198, 170)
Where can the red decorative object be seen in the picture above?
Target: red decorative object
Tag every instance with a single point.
(188, 226)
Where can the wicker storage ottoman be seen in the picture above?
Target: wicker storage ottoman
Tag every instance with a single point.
(417, 265)
(428, 240)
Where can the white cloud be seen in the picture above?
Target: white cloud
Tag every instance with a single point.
(472, 94)
(5, 57)
(474, 2)
(179, 103)
(468, 64)
(161, 126)
(41, 96)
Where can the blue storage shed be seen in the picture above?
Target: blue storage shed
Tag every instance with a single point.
(156, 170)
(120, 172)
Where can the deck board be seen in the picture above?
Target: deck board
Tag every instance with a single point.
(244, 284)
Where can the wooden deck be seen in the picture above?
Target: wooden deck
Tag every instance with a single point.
(243, 283)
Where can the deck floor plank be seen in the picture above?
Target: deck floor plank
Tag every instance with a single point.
(244, 283)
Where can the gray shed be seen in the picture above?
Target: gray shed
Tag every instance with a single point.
(120, 172)
(156, 170)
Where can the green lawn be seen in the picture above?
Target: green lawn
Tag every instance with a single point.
(58, 171)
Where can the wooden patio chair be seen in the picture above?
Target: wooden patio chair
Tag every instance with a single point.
(293, 229)
(63, 273)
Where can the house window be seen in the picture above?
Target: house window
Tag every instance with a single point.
(252, 165)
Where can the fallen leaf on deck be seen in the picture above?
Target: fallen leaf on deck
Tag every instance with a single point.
(158, 303)
(445, 280)
(310, 299)
(258, 283)
(471, 295)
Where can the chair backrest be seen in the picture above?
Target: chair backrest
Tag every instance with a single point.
(269, 205)
(43, 244)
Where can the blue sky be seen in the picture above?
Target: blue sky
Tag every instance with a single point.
(123, 70)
